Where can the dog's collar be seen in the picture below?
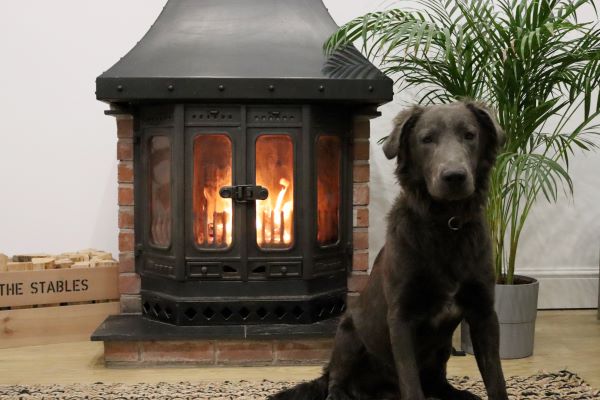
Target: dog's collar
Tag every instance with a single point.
(455, 223)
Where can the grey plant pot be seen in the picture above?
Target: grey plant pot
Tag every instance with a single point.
(516, 306)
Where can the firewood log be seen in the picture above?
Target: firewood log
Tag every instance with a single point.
(19, 266)
(3, 262)
(81, 264)
(43, 263)
(63, 263)
(28, 257)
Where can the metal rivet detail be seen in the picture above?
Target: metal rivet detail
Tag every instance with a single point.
(271, 88)
(204, 269)
(371, 88)
(120, 88)
(221, 88)
(321, 88)
(170, 88)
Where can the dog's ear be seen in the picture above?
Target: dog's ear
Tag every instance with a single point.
(402, 123)
(487, 119)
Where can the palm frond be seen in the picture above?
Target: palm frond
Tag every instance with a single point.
(535, 61)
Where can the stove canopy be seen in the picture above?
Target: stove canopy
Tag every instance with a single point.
(242, 50)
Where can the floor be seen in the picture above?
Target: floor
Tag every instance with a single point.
(564, 340)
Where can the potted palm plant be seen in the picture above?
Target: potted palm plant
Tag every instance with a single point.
(538, 65)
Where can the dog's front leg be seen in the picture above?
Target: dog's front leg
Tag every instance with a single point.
(402, 337)
(485, 335)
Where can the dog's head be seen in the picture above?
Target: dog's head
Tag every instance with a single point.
(448, 148)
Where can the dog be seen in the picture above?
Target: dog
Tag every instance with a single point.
(434, 269)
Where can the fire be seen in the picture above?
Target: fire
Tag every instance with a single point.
(284, 186)
(220, 225)
(274, 223)
(213, 215)
(274, 170)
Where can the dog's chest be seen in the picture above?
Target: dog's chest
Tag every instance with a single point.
(448, 310)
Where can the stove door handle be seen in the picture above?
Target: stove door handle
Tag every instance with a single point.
(244, 193)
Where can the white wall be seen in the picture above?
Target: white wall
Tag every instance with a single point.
(57, 149)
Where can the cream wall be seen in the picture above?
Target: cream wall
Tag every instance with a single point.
(57, 149)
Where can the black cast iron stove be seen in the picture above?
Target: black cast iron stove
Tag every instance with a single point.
(243, 171)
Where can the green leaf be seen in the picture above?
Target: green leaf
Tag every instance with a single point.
(532, 60)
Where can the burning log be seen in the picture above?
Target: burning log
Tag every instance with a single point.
(272, 221)
(224, 219)
(282, 228)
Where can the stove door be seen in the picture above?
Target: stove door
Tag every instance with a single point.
(329, 184)
(274, 170)
(213, 223)
(156, 232)
(273, 246)
(160, 191)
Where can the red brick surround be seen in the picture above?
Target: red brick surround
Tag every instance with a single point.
(228, 352)
(225, 352)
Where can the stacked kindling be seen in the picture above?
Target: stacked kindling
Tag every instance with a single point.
(88, 258)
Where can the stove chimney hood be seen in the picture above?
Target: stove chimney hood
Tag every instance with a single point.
(242, 50)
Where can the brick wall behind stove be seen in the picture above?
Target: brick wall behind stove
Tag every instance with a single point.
(129, 281)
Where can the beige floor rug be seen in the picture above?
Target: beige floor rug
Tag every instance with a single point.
(563, 385)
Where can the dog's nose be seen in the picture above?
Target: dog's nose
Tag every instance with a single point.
(454, 176)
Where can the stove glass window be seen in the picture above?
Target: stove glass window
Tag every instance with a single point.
(275, 171)
(328, 189)
(160, 191)
(212, 170)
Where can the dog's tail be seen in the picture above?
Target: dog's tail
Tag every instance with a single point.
(312, 390)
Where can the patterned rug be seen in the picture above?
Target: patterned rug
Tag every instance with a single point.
(563, 385)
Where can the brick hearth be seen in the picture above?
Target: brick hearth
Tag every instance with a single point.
(224, 352)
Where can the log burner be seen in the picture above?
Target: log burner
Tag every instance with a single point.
(242, 160)
(245, 213)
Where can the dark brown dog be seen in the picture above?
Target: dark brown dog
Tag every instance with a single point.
(434, 270)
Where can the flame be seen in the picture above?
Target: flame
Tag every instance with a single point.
(218, 209)
(274, 216)
(274, 223)
(212, 170)
(277, 211)
(284, 184)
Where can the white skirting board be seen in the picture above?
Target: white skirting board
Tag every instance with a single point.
(562, 288)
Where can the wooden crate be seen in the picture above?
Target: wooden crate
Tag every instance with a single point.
(55, 305)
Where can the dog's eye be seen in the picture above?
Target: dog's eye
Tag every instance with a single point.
(427, 139)
(469, 136)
